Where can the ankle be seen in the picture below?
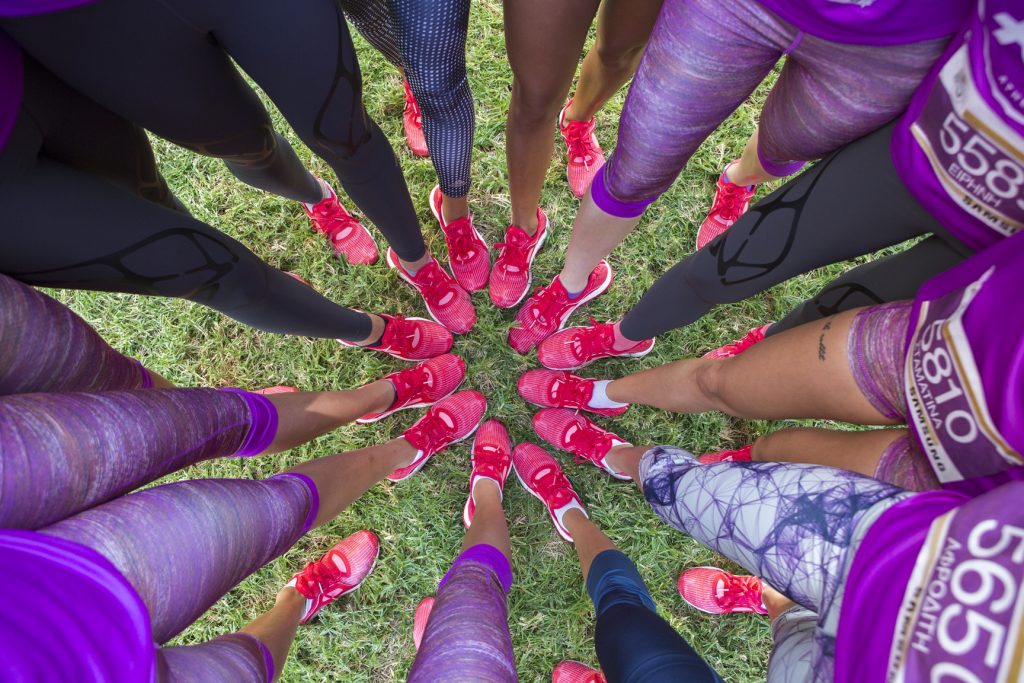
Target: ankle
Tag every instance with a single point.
(622, 342)
(486, 492)
(402, 453)
(452, 209)
(527, 223)
(413, 267)
(382, 395)
(574, 286)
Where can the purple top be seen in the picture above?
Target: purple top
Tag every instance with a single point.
(934, 593)
(964, 368)
(959, 148)
(873, 22)
(69, 615)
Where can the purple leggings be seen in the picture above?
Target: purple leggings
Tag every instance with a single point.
(705, 57)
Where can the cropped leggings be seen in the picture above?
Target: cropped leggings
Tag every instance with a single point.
(850, 204)
(70, 220)
(427, 40)
(69, 451)
(706, 57)
(797, 526)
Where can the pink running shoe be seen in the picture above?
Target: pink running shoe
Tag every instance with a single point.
(447, 302)
(737, 347)
(412, 122)
(728, 455)
(279, 389)
(578, 347)
(422, 385)
(348, 236)
(731, 202)
(468, 255)
(420, 619)
(585, 154)
(571, 671)
(341, 570)
(546, 311)
(492, 458)
(448, 421)
(714, 591)
(511, 277)
(541, 475)
(551, 389)
(578, 435)
(410, 338)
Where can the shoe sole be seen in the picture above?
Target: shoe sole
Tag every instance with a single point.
(401, 273)
(529, 267)
(564, 534)
(589, 410)
(359, 585)
(395, 355)
(425, 460)
(410, 407)
(487, 247)
(590, 362)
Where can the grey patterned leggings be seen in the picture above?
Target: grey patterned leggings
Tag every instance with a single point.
(796, 526)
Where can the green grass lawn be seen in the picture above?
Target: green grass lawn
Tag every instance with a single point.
(367, 637)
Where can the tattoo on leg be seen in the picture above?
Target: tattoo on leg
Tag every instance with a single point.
(821, 341)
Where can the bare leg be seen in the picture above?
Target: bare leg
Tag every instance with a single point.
(342, 478)
(627, 459)
(306, 415)
(800, 373)
(159, 381)
(856, 451)
(747, 170)
(776, 602)
(543, 40)
(587, 538)
(622, 31)
(276, 627)
(594, 235)
(489, 525)
(454, 208)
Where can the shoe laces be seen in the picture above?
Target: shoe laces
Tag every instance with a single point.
(407, 381)
(553, 487)
(400, 334)
(314, 577)
(512, 256)
(489, 461)
(547, 305)
(331, 220)
(461, 239)
(412, 107)
(434, 283)
(590, 439)
(579, 137)
(431, 433)
(598, 339)
(730, 200)
(568, 391)
(738, 589)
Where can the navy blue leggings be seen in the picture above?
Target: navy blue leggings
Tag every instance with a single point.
(427, 40)
(634, 644)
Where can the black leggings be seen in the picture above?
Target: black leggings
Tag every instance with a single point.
(850, 204)
(427, 40)
(634, 644)
(83, 206)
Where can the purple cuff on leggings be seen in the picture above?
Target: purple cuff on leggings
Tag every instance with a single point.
(147, 379)
(268, 660)
(263, 427)
(488, 555)
(612, 206)
(314, 494)
(779, 170)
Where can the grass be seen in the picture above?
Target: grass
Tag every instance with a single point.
(367, 637)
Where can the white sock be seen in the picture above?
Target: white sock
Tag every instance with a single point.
(599, 399)
(571, 505)
(309, 603)
(325, 192)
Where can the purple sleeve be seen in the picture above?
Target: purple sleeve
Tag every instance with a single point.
(26, 8)
(612, 206)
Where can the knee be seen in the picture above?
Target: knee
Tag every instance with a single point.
(617, 57)
(535, 104)
(710, 378)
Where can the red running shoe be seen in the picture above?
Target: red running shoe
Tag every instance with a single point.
(279, 389)
(546, 311)
(412, 122)
(541, 475)
(578, 347)
(468, 254)
(422, 385)
(448, 421)
(578, 435)
(551, 389)
(341, 570)
(447, 302)
(420, 619)
(731, 202)
(737, 347)
(410, 338)
(571, 671)
(348, 236)
(585, 154)
(728, 455)
(714, 591)
(511, 277)
(492, 458)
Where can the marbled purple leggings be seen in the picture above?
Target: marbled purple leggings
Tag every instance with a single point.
(705, 57)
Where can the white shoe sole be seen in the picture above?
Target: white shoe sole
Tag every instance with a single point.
(425, 460)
